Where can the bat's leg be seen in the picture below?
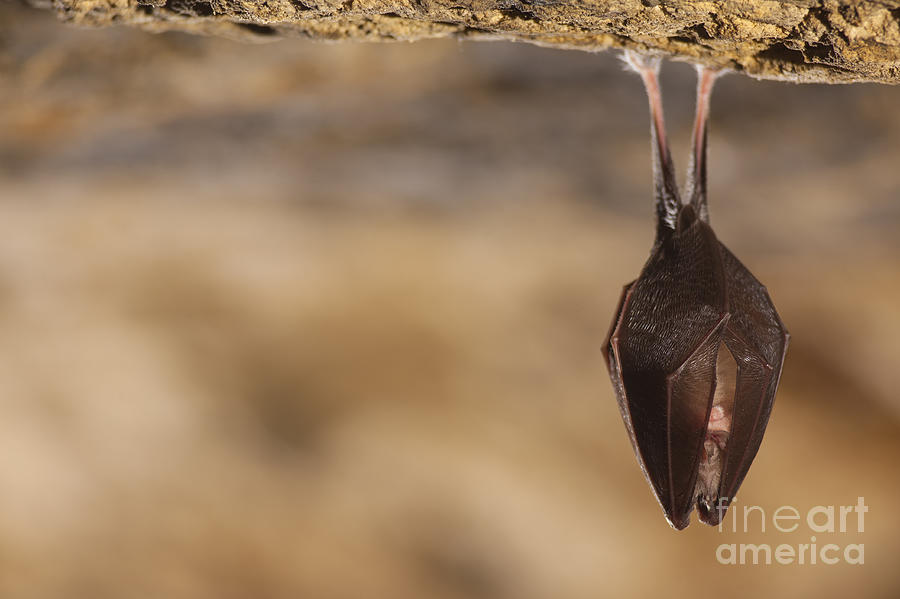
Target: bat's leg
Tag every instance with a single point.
(696, 183)
(667, 201)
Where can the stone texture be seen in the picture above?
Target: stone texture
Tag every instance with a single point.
(804, 41)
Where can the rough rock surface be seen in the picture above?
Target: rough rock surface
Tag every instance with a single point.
(805, 41)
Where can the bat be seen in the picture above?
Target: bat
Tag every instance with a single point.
(696, 348)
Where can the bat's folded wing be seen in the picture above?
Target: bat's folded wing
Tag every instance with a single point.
(758, 341)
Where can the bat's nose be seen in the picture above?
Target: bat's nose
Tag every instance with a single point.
(708, 512)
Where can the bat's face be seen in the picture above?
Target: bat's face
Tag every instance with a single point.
(695, 353)
(718, 428)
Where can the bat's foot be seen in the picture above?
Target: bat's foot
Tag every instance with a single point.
(711, 73)
(642, 64)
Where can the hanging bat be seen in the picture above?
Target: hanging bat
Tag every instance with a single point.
(696, 347)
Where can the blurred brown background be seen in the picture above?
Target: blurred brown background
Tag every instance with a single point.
(325, 321)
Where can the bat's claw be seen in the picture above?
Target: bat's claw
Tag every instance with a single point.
(712, 72)
(641, 63)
